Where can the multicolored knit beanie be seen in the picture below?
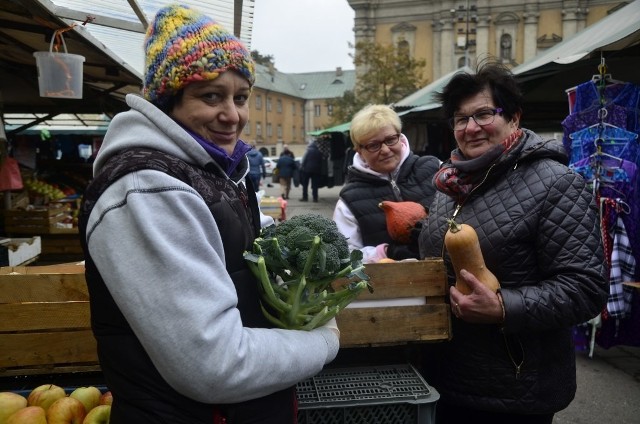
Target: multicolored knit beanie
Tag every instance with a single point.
(182, 46)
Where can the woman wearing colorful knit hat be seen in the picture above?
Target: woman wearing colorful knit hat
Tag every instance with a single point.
(164, 224)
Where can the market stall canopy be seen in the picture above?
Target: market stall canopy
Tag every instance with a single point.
(616, 32)
(338, 128)
(107, 33)
(611, 45)
(424, 99)
(613, 41)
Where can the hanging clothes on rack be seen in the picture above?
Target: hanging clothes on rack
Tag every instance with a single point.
(612, 140)
(601, 137)
(603, 99)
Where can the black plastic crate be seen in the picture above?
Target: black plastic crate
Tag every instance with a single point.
(389, 394)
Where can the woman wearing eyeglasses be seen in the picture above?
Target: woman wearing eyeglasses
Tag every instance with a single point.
(511, 358)
(384, 168)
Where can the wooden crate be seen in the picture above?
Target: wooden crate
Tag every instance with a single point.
(385, 320)
(45, 321)
(35, 221)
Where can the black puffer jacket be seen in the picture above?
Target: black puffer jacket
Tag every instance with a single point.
(540, 235)
(364, 192)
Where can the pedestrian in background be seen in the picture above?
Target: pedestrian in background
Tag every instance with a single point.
(257, 168)
(287, 151)
(175, 309)
(311, 172)
(286, 166)
(384, 168)
(511, 358)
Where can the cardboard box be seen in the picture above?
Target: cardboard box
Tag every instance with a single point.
(45, 325)
(18, 251)
(407, 305)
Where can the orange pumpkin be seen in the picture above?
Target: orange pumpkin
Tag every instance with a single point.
(401, 218)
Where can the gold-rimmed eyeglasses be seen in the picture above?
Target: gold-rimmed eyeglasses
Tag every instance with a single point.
(374, 146)
(482, 117)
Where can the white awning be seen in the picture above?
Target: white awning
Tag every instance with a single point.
(617, 31)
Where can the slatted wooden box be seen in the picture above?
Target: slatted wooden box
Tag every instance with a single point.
(45, 321)
(41, 220)
(407, 305)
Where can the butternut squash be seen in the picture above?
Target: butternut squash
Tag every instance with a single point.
(461, 241)
(401, 218)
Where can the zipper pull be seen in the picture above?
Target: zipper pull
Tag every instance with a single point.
(395, 188)
(455, 212)
(518, 372)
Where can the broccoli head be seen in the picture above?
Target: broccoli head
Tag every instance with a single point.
(297, 236)
(307, 253)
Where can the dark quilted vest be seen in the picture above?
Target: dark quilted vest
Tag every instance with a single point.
(127, 369)
(363, 192)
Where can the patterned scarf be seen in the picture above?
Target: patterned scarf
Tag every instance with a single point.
(458, 177)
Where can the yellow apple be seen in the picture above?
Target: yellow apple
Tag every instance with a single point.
(89, 396)
(28, 415)
(66, 410)
(45, 395)
(98, 415)
(9, 403)
(106, 398)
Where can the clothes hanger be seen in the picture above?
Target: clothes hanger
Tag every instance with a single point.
(606, 129)
(622, 206)
(608, 187)
(602, 77)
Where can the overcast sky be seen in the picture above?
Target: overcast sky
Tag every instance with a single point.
(304, 35)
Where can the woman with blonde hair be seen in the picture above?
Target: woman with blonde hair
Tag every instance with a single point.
(384, 168)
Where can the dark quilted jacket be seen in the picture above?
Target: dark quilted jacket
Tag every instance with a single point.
(540, 235)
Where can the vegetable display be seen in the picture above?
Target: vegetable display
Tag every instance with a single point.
(295, 262)
(401, 218)
(461, 241)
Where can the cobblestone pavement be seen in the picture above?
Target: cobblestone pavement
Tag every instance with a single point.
(608, 383)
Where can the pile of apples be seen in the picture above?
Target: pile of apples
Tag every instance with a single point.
(45, 189)
(50, 404)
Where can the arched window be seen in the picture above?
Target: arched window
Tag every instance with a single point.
(403, 48)
(505, 47)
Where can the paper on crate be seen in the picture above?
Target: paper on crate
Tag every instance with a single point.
(382, 303)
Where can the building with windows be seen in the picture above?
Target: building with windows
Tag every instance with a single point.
(284, 108)
(449, 34)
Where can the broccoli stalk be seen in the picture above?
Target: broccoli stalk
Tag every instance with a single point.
(295, 264)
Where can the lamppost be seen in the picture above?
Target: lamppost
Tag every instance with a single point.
(466, 13)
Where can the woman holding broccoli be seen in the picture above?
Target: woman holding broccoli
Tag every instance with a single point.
(384, 168)
(165, 222)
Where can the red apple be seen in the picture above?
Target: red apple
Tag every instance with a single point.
(28, 415)
(98, 415)
(45, 395)
(89, 396)
(66, 410)
(106, 398)
(10, 403)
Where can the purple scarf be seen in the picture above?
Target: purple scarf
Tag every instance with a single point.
(220, 156)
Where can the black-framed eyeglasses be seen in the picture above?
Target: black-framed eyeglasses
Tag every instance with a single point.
(374, 146)
(482, 117)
